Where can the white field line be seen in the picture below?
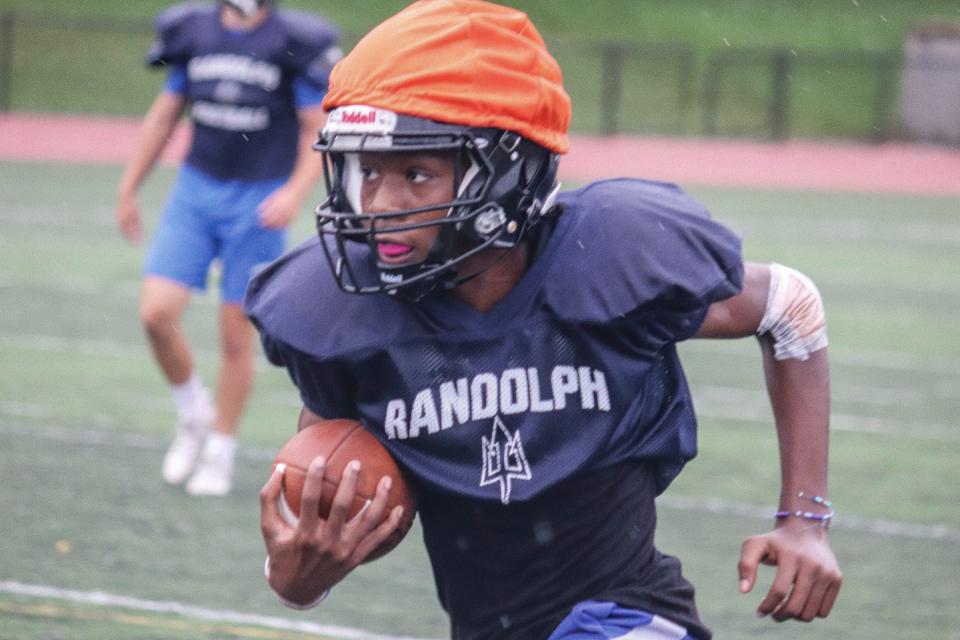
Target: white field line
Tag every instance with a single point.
(844, 423)
(912, 233)
(742, 405)
(883, 528)
(104, 438)
(887, 360)
(860, 230)
(712, 401)
(859, 394)
(104, 347)
(79, 346)
(728, 403)
(720, 403)
(851, 228)
(93, 347)
(733, 411)
(940, 285)
(27, 216)
(872, 359)
(114, 438)
(102, 598)
(71, 284)
(74, 285)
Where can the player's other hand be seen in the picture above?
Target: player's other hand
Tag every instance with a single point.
(279, 208)
(316, 553)
(128, 217)
(808, 577)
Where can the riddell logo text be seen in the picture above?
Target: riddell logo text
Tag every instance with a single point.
(359, 117)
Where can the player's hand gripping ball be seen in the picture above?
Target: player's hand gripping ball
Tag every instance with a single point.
(339, 442)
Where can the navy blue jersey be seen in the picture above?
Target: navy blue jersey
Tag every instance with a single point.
(240, 85)
(573, 375)
(574, 370)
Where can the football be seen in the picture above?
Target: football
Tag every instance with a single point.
(339, 442)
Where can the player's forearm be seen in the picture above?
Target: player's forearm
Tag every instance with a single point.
(800, 396)
(155, 132)
(306, 172)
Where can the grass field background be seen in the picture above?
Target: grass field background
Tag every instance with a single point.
(870, 24)
(85, 416)
(87, 57)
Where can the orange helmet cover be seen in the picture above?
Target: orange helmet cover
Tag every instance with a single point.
(464, 62)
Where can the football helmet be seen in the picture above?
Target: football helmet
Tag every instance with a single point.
(504, 184)
(246, 7)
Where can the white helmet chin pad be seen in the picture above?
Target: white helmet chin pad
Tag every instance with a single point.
(352, 180)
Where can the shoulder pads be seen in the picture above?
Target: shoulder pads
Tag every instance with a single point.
(633, 245)
(312, 45)
(173, 29)
(296, 301)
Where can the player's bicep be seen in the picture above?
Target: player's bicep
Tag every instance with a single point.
(163, 116)
(739, 316)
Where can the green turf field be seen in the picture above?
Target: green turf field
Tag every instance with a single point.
(93, 545)
(57, 52)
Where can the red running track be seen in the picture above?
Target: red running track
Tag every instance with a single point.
(802, 165)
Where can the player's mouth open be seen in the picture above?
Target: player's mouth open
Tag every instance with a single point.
(393, 251)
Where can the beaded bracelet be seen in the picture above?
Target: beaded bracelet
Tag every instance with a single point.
(822, 518)
(817, 499)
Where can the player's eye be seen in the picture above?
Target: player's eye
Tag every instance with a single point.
(369, 173)
(418, 176)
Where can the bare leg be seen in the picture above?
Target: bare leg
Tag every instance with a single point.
(214, 473)
(162, 304)
(236, 371)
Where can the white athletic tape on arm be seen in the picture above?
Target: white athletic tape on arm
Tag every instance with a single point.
(288, 603)
(794, 316)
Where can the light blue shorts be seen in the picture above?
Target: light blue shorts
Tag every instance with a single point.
(592, 620)
(206, 219)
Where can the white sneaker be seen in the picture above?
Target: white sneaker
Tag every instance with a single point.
(181, 458)
(214, 474)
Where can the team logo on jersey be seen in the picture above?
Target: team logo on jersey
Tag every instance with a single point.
(503, 459)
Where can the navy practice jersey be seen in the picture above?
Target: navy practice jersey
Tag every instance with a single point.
(500, 416)
(240, 85)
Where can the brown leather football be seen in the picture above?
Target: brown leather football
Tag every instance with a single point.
(339, 442)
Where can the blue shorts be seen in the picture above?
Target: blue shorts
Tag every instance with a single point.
(207, 219)
(592, 620)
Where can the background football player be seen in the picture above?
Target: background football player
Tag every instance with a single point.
(253, 77)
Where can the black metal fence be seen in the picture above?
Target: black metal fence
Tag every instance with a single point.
(853, 93)
(96, 66)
